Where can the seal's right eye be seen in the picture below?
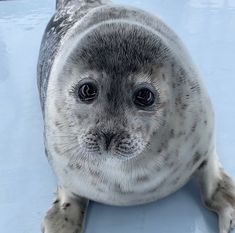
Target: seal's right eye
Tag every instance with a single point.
(87, 92)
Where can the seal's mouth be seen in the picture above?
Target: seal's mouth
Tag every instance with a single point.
(114, 156)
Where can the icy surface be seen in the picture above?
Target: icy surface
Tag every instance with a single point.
(26, 181)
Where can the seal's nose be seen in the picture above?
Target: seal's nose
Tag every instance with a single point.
(107, 139)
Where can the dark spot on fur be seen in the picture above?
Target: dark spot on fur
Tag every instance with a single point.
(181, 77)
(76, 165)
(181, 133)
(56, 148)
(164, 123)
(46, 153)
(203, 164)
(178, 100)
(172, 133)
(66, 219)
(94, 173)
(56, 201)
(211, 203)
(77, 230)
(158, 168)
(167, 156)
(165, 113)
(193, 129)
(103, 180)
(164, 145)
(141, 179)
(109, 97)
(184, 106)
(196, 157)
(119, 189)
(194, 126)
(159, 150)
(66, 205)
(57, 123)
(195, 87)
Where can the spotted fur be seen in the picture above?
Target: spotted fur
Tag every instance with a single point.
(153, 152)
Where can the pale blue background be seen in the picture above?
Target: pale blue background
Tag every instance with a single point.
(26, 180)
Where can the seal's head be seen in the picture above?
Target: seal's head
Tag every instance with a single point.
(116, 93)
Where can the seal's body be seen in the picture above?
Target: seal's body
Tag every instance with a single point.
(127, 119)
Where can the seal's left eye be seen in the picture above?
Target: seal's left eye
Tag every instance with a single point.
(87, 92)
(143, 97)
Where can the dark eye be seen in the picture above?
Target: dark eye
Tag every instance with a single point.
(87, 92)
(143, 97)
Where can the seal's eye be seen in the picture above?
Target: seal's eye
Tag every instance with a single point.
(143, 97)
(87, 92)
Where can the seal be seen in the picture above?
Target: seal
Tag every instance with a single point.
(127, 117)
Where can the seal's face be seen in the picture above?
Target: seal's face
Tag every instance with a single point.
(115, 114)
(111, 109)
(110, 116)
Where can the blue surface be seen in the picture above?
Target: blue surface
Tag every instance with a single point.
(26, 182)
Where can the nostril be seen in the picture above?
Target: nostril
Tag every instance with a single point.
(108, 138)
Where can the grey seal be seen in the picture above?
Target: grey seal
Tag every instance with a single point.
(127, 117)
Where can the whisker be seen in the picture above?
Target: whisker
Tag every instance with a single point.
(68, 149)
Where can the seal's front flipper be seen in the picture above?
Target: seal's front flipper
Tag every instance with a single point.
(67, 215)
(218, 192)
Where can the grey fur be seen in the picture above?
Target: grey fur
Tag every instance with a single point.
(110, 150)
